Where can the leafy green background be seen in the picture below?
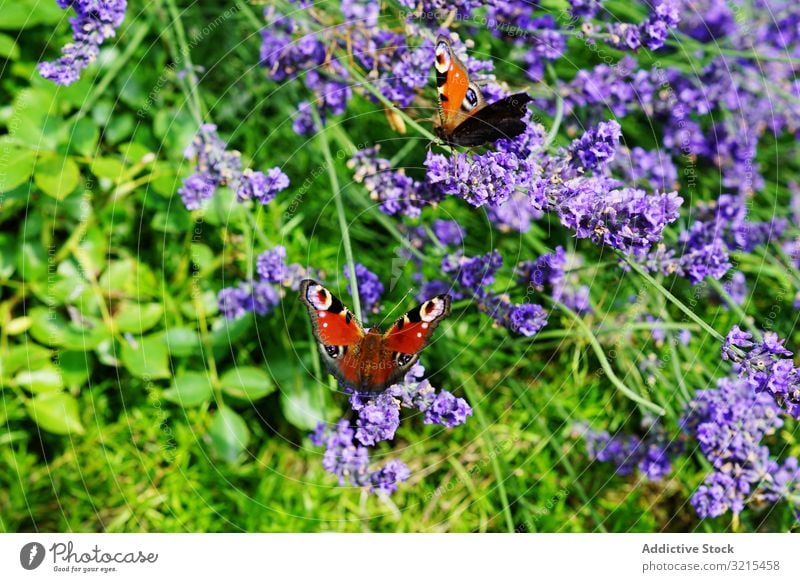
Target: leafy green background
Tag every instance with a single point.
(128, 404)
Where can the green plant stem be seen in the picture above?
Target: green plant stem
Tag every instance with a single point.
(735, 307)
(386, 102)
(183, 56)
(551, 135)
(469, 389)
(337, 198)
(671, 298)
(604, 363)
(115, 67)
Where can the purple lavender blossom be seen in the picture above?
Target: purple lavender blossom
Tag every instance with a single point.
(489, 178)
(447, 410)
(596, 148)
(449, 232)
(259, 297)
(94, 23)
(473, 273)
(627, 219)
(370, 288)
(766, 366)
(261, 187)
(197, 189)
(651, 454)
(216, 166)
(233, 301)
(652, 33)
(378, 420)
(396, 192)
(730, 422)
(271, 264)
(526, 319)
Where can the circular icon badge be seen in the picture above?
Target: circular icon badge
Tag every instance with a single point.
(31, 555)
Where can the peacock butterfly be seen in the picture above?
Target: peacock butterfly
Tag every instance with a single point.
(369, 360)
(465, 119)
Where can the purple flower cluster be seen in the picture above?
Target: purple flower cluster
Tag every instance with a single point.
(370, 288)
(652, 33)
(730, 422)
(475, 275)
(650, 454)
(94, 23)
(627, 219)
(215, 166)
(350, 461)
(549, 274)
(261, 296)
(347, 455)
(392, 189)
(719, 227)
(489, 178)
(765, 366)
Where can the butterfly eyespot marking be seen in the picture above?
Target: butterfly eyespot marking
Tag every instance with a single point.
(470, 100)
(402, 359)
(442, 57)
(432, 309)
(335, 352)
(319, 297)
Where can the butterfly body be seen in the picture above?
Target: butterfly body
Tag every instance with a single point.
(369, 360)
(465, 119)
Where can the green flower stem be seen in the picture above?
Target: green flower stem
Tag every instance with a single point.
(735, 307)
(788, 263)
(374, 212)
(469, 389)
(182, 55)
(604, 363)
(386, 102)
(115, 67)
(551, 135)
(639, 326)
(671, 298)
(337, 198)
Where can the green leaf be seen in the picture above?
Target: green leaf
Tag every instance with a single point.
(303, 400)
(18, 164)
(28, 13)
(8, 48)
(229, 434)
(247, 383)
(26, 356)
(119, 128)
(57, 176)
(75, 366)
(57, 413)
(110, 168)
(52, 329)
(32, 262)
(83, 137)
(18, 325)
(182, 341)
(46, 379)
(130, 277)
(138, 317)
(190, 389)
(147, 357)
(8, 253)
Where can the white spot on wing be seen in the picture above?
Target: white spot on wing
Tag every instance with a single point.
(419, 334)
